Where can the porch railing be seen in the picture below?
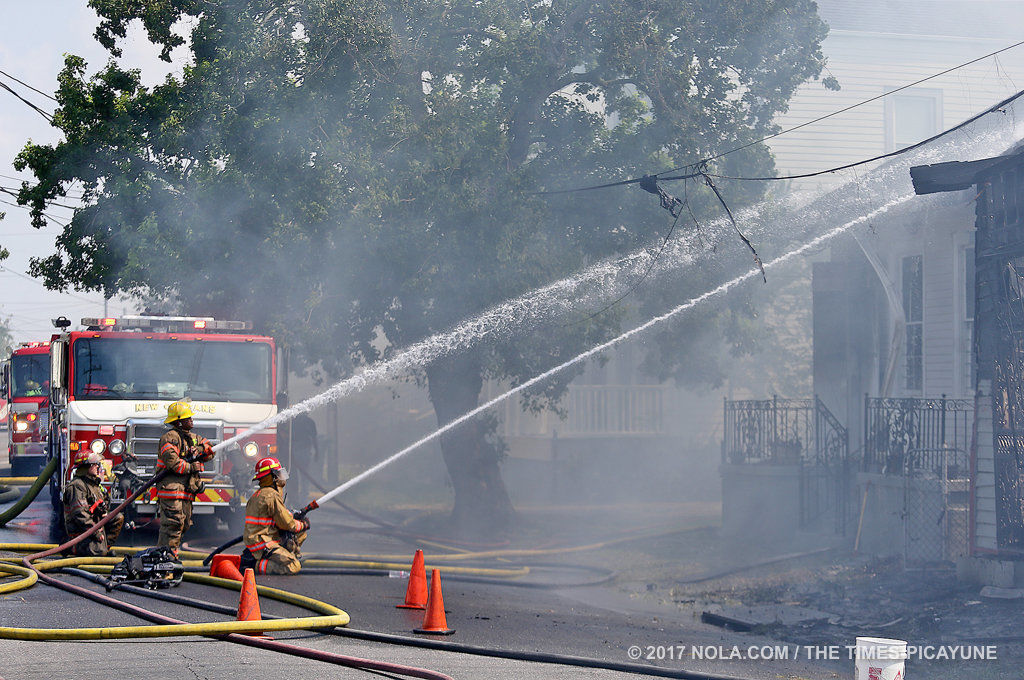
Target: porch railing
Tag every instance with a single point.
(782, 432)
(917, 436)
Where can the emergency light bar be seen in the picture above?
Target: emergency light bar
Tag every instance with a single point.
(180, 324)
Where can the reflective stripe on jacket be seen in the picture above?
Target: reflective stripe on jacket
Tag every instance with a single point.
(175, 449)
(265, 518)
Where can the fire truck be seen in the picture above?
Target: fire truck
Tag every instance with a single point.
(26, 376)
(111, 384)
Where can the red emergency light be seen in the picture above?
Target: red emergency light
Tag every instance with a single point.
(199, 323)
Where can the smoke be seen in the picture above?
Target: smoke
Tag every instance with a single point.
(774, 223)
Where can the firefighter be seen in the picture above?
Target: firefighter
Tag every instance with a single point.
(87, 502)
(182, 454)
(273, 537)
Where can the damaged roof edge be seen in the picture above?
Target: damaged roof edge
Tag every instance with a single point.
(957, 175)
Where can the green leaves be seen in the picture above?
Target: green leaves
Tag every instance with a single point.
(357, 174)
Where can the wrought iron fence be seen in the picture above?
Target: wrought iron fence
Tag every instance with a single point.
(782, 432)
(798, 432)
(893, 428)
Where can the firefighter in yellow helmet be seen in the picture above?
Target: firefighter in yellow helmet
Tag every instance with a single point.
(182, 454)
(87, 502)
(273, 537)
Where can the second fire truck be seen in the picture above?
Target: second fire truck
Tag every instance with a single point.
(26, 379)
(111, 384)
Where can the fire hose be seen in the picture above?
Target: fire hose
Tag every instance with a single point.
(223, 630)
(401, 640)
(29, 495)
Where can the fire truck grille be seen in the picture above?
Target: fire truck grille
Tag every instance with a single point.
(144, 440)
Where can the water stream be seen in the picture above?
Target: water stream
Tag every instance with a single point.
(783, 222)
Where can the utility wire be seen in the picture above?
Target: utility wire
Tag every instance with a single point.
(14, 193)
(25, 207)
(5, 268)
(22, 82)
(32, 106)
(701, 171)
(29, 179)
(635, 180)
(866, 101)
(991, 109)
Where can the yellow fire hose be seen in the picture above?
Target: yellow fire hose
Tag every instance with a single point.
(17, 481)
(330, 616)
(357, 561)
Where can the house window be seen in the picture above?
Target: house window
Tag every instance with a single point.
(911, 118)
(966, 356)
(913, 309)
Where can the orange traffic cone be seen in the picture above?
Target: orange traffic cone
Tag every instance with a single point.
(416, 591)
(226, 566)
(434, 621)
(249, 602)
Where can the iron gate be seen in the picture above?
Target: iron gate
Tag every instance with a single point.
(795, 432)
(926, 442)
(999, 329)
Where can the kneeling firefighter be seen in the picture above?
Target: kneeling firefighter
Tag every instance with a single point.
(85, 503)
(183, 454)
(273, 536)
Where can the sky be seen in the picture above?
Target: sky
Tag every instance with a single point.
(34, 37)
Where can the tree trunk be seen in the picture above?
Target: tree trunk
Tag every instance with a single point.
(482, 505)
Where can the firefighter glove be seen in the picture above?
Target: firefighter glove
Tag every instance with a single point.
(303, 525)
(208, 452)
(197, 466)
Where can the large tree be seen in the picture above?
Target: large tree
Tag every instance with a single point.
(355, 175)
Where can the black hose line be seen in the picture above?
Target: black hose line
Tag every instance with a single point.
(389, 528)
(220, 549)
(458, 647)
(238, 638)
(461, 578)
(145, 614)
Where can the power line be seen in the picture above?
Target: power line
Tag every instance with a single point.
(5, 268)
(991, 109)
(25, 207)
(21, 82)
(32, 106)
(28, 179)
(12, 192)
(635, 180)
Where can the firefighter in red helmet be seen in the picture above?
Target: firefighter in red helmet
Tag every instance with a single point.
(85, 503)
(273, 537)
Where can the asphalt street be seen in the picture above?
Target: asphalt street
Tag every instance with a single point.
(595, 622)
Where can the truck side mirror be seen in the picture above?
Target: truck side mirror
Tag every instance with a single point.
(57, 363)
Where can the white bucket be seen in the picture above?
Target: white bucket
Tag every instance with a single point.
(880, 658)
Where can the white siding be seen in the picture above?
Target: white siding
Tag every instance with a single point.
(869, 65)
(984, 480)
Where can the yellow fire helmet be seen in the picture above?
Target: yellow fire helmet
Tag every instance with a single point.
(179, 410)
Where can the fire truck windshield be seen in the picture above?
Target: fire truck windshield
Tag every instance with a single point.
(30, 375)
(122, 368)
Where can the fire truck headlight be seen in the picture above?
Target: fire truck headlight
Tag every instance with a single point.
(97, 445)
(251, 450)
(116, 447)
(20, 426)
